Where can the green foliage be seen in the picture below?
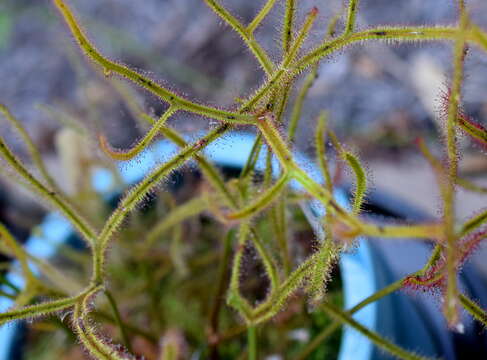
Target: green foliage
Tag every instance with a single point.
(237, 206)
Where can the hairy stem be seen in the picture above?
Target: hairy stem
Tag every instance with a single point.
(118, 320)
(141, 80)
(142, 144)
(378, 340)
(52, 197)
(33, 152)
(246, 33)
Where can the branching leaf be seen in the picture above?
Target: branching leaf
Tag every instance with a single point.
(142, 144)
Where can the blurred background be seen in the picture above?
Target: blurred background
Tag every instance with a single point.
(380, 97)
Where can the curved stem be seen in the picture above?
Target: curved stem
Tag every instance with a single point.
(298, 103)
(262, 201)
(140, 191)
(209, 170)
(34, 153)
(141, 80)
(220, 289)
(118, 319)
(246, 34)
(52, 197)
(143, 143)
(40, 309)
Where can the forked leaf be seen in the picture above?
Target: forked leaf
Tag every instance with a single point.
(142, 144)
(245, 34)
(139, 79)
(44, 308)
(137, 193)
(98, 347)
(234, 297)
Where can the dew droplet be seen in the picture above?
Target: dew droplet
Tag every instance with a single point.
(63, 315)
(460, 328)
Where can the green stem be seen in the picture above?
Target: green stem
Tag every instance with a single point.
(471, 186)
(252, 342)
(451, 296)
(473, 223)
(378, 340)
(141, 80)
(34, 153)
(400, 34)
(7, 295)
(118, 320)
(280, 148)
(302, 35)
(321, 152)
(220, 289)
(6, 282)
(139, 192)
(40, 309)
(52, 197)
(267, 260)
(91, 340)
(278, 220)
(298, 104)
(262, 201)
(143, 143)
(260, 16)
(474, 309)
(209, 170)
(149, 336)
(351, 16)
(389, 289)
(287, 30)
(246, 34)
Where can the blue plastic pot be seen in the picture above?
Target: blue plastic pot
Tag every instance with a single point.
(364, 271)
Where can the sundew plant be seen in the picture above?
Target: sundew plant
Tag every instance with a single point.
(238, 205)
